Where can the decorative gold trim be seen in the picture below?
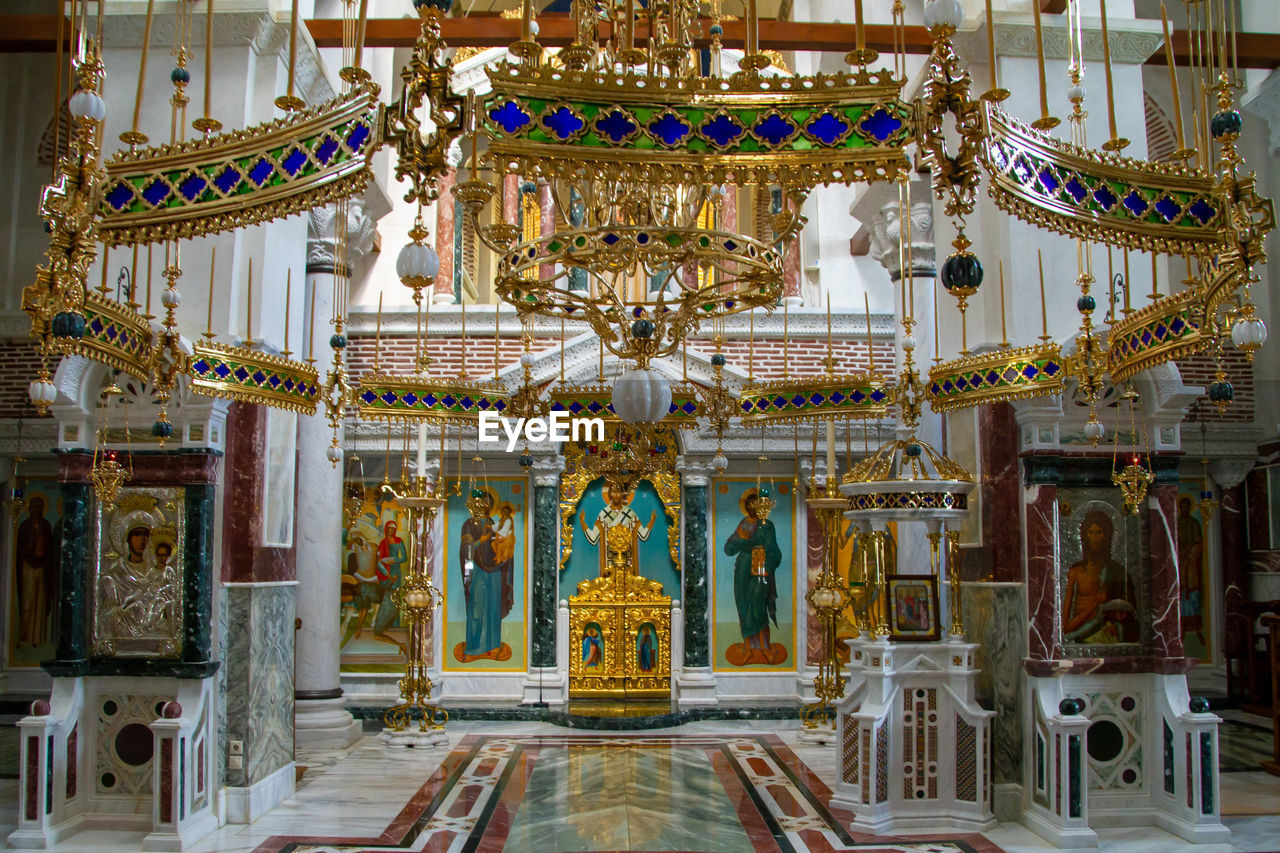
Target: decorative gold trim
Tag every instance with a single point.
(295, 387)
(1048, 377)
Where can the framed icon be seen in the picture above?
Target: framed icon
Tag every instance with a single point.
(913, 607)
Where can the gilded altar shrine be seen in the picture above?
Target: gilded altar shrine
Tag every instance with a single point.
(619, 622)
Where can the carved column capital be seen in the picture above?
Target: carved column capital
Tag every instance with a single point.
(887, 236)
(694, 472)
(324, 228)
(546, 470)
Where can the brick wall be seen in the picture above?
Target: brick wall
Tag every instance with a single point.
(1201, 370)
(805, 357)
(19, 363)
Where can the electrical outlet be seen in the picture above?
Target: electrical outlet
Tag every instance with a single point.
(235, 762)
(235, 747)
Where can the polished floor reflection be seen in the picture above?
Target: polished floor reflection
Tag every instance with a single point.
(623, 797)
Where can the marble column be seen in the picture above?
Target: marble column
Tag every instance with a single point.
(1237, 626)
(442, 293)
(1041, 517)
(1162, 550)
(320, 718)
(544, 683)
(695, 684)
(547, 207)
(71, 656)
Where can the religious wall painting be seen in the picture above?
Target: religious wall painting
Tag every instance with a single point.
(913, 607)
(375, 556)
(646, 651)
(592, 648)
(35, 573)
(138, 575)
(754, 558)
(859, 578)
(1100, 574)
(637, 507)
(1193, 571)
(485, 555)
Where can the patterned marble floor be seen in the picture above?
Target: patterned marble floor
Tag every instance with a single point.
(496, 783)
(683, 792)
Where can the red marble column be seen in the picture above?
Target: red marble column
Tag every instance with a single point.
(1237, 627)
(1162, 549)
(791, 266)
(243, 559)
(1042, 634)
(1001, 490)
(816, 552)
(444, 237)
(511, 199)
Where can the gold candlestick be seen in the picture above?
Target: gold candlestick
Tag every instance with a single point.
(1046, 121)
(1183, 152)
(1116, 142)
(995, 94)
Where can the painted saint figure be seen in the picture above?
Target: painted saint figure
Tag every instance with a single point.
(366, 585)
(392, 563)
(592, 648)
(37, 575)
(754, 544)
(617, 511)
(1097, 605)
(487, 582)
(1191, 569)
(646, 649)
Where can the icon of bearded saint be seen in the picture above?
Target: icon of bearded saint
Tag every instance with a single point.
(1097, 605)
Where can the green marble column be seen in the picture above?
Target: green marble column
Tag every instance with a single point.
(74, 583)
(542, 617)
(198, 592)
(694, 571)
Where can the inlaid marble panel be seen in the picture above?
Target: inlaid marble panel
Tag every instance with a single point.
(994, 615)
(260, 679)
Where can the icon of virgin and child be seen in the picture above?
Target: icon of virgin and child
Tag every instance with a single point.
(486, 554)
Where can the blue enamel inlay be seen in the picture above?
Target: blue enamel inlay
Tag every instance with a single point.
(293, 161)
(156, 192)
(616, 126)
(881, 124)
(228, 179)
(1168, 208)
(357, 137)
(1136, 204)
(670, 129)
(326, 149)
(121, 194)
(1202, 211)
(1049, 180)
(510, 117)
(261, 171)
(192, 187)
(775, 130)
(722, 130)
(827, 129)
(1076, 189)
(563, 123)
(1105, 197)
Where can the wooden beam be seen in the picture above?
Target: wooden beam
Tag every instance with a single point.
(1257, 50)
(32, 33)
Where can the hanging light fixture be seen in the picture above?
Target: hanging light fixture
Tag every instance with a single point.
(1136, 476)
(106, 473)
(1248, 332)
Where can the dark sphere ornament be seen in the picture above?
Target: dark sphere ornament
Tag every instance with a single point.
(68, 324)
(1198, 705)
(1070, 707)
(526, 461)
(763, 493)
(1226, 125)
(162, 429)
(477, 493)
(717, 30)
(1222, 391)
(642, 328)
(913, 450)
(961, 273)
(1086, 304)
(1206, 495)
(180, 75)
(718, 359)
(338, 341)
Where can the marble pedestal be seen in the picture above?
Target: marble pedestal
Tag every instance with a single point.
(412, 738)
(1118, 749)
(324, 724)
(914, 743)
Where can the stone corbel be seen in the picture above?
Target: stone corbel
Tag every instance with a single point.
(1230, 472)
(546, 470)
(693, 472)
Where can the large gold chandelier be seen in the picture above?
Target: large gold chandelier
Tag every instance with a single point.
(644, 155)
